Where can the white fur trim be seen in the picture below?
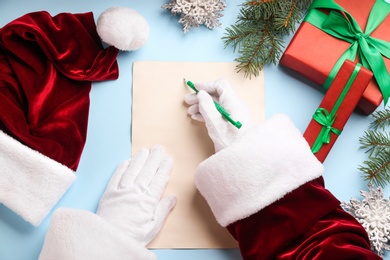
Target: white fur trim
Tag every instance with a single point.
(82, 235)
(30, 183)
(269, 161)
(123, 27)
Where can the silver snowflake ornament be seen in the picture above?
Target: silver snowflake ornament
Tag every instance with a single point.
(197, 12)
(373, 212)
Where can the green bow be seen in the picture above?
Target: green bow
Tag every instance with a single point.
(323, 117)
(370, 50)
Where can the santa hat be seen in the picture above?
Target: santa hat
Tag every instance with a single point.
(47, 66)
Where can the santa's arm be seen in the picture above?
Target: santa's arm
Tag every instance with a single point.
(267, 189)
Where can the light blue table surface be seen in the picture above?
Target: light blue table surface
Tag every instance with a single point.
(109, 140)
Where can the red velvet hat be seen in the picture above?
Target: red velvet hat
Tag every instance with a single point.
(47, 65)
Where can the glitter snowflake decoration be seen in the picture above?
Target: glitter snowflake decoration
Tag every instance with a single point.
(373, 212)
(197, 12)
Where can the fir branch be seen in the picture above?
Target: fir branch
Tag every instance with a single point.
(381, 119)
(258, 33)
(377, 169)
(289, 15)
(254, 47)
(376, 142)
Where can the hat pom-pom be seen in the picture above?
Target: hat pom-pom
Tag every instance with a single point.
(123, 28)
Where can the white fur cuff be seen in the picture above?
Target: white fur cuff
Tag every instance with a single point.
(269, 161)
(79, 234)
(30, 183)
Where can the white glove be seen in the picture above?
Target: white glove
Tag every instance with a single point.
(202, 108)
(132, 200)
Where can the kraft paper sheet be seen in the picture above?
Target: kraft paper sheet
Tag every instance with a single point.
(159, 116)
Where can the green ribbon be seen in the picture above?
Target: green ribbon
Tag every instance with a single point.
(369, 49)
(323, 117)
(326, 119)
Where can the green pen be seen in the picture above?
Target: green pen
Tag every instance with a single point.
(220, 109)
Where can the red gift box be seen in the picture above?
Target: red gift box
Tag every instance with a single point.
(337, 106)
(313, 52)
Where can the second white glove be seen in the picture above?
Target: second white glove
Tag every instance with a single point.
(132, 200)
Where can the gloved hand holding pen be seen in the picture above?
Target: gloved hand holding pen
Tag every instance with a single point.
(202, 108)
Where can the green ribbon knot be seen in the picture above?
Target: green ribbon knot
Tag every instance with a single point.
(361, 36)
(369, 49)
(324, 118)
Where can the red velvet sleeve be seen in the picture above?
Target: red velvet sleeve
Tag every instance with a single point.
(307, 223)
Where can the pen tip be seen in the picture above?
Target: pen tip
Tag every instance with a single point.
(185, 81)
